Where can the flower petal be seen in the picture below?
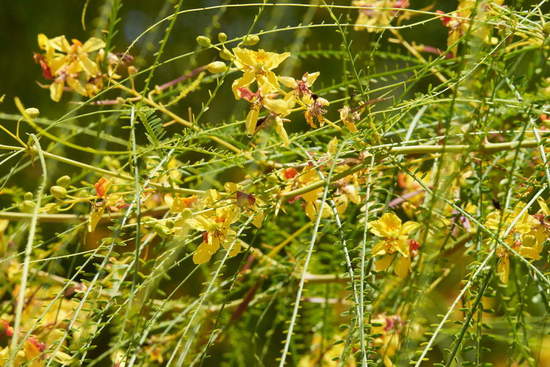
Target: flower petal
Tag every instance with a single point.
(409, 226)
(93, 44)
(89, 67)
(402, 266)
(60, 43)
(379, 248)
(201, 255)
(56, 90)
(242, 82)
(503, 269)
(382, 263)
(76, 86)
(280, 129)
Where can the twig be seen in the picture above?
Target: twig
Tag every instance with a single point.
(419, 149)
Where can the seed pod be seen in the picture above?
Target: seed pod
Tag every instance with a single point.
(204, 41)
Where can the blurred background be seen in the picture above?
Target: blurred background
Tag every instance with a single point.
(21, 21)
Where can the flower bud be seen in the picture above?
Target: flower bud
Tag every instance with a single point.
(58, 192)
(204, 41)
(288, 82)
(32, 112)
(216, 67)
(27, 206)
(162, 230)
(322, 102)
(226, 54)
(251, 40)
(63, 181)
(186, 214)
(222, 37)
(28, 196)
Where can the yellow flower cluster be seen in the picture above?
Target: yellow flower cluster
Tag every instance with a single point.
(526, 237)
(48, 322)
(215, 213)
(347, 188)
(396, 243)
(72, 66)
(387, 343)
(257, 67)
(69, 64)
(458, 22)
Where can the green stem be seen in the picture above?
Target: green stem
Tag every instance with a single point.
(30, 121)
(419, 149)
(14, 347)
(105, 172)
(71, 218)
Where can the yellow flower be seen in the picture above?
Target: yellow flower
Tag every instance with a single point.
(388, 329)
(316, 110)
(458, 22)
(68, 63)
(526, 237)
(311, 198)
(302, 94)
(349, 117)
(396, 244)
(413, 193)
(348, 190)
(217, 231)
(279, 106)
(257, 67)
(249, 203)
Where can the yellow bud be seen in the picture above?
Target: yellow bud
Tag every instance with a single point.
(226, 54)
(251, 40)
(186, 214)
(222, 37)
(204, 41)
(28, 196)
(58, 192)
(32, 112)
(216, 67)
(63, 180)
(333, 146)
(288, 82)
(27, 206)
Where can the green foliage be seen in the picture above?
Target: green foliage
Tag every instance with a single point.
(357, 183)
